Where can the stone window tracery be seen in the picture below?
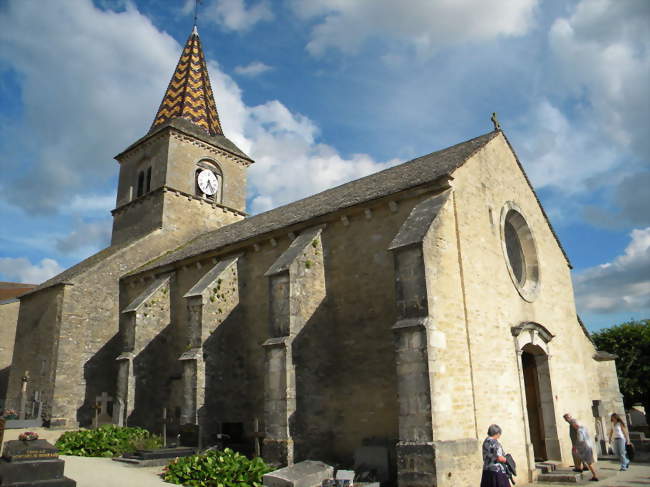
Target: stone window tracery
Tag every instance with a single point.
(520, 252)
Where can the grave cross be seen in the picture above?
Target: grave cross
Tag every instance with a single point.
(103, 400)
(23, 395)
(258, 436)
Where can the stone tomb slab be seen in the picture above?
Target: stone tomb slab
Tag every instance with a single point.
(32, 463)
(373, 459)
(155, 458)
(26, 451)
(309, 473)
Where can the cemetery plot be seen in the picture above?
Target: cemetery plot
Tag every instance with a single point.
(35, 463)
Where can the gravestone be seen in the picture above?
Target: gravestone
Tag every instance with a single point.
(32, 463)
(2, 431)
(373, 460)
(189, 435)
(304, 474)
(637, 416)
(23, 396)
(189, 444)
(101, 413)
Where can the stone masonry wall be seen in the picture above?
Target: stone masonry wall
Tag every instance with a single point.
(482, 188)
(35, 347)
(185, 152)
(8, 322)
(344, 355)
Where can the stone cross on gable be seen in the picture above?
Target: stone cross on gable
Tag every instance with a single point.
(103, 400)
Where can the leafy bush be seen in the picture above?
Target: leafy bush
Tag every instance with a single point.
(216, 469)
(106, 441)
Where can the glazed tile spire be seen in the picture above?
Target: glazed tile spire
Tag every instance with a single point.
(189, 94)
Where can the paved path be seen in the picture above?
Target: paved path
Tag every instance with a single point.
(99, 472)
(104, 472)
(637, 476)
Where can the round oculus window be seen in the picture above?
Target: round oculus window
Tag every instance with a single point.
(520, 252)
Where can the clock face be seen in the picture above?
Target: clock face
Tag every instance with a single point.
(208, 182)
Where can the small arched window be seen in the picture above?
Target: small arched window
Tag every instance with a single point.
(148, 179)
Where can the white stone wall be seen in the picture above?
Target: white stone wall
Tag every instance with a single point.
(474, 286)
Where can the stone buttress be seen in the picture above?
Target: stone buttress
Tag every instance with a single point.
(142, 321)
(209, 302)
(424, 458)
(296, 289)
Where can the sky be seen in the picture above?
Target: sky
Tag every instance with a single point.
(321, 92)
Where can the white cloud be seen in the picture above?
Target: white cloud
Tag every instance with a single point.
(235, 15)
(86, 238)
(560, 153)
(620, 285)
(90, 81)
(425, 25)
(88, 96)
(253, 69)
(603, 54)
(290, 162)
(21, 269)
(90, 203)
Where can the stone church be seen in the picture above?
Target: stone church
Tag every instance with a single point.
(411, 308)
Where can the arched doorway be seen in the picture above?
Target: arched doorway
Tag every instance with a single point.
(532, 359)
(532, 342)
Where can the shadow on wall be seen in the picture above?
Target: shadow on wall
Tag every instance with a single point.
(4, 384)
(99, 373)
(234, 377)
(152, 368)
(316, 356)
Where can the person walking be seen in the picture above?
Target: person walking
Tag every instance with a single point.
(585, 448)
(573, 434)
(621, 439)
(494, 460)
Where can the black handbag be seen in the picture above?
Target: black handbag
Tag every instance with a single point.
(511, 468)
(630, 451)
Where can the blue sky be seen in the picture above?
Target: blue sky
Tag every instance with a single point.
(320, 92)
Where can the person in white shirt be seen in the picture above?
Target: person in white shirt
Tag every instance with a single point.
(621, 438)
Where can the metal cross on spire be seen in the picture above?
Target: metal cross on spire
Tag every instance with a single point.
(196, 11)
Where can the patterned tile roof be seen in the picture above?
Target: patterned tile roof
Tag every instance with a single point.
(189, 94)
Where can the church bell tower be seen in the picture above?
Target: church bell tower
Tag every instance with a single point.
(185, 175)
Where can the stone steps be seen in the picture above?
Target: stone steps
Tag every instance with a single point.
(550, 473)
(566, 476)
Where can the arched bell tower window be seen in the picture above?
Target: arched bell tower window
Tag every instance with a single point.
(140, 191)
(208, 180)
(144, 182)
(148, 179)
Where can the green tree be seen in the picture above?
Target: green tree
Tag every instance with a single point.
(631, 342)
